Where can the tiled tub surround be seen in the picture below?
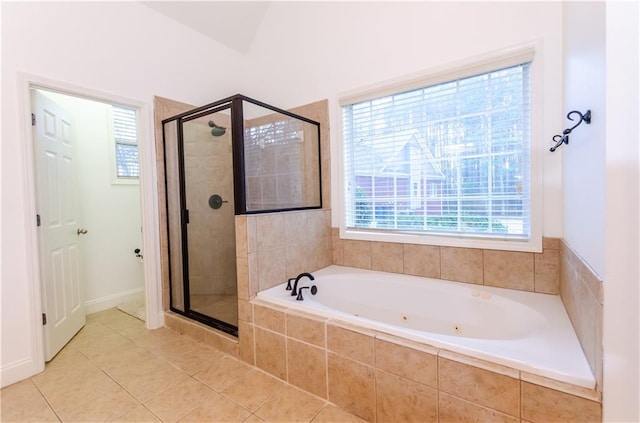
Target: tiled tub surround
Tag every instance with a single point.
(536, 272)
(382, 378)
(459, 317)
(581, 291)
(303, 349)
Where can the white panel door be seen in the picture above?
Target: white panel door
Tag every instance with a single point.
(59, 231)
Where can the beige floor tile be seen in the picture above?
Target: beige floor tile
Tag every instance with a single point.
(223, 373)
(138, 414)
(290, 405)
(112, 371)
(254, 419)
(198, 359)
(175, 348)
(332, 414)
(97, 345)
(65, 360)
(179, 400)
(67, 388)
(191, 357)
(146, 380)
(152, 339)
(220, 409)
(22, 402)
(90, 330)
(104, 405)
(253, 389)
(118, 320)
(115, 362)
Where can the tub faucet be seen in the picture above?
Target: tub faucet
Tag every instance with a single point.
(294, 291)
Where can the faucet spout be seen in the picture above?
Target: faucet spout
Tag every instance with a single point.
(294, 291)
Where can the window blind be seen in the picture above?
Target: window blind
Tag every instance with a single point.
(449, 158)
(125, 134)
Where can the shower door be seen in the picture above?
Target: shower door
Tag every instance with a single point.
(203, 282)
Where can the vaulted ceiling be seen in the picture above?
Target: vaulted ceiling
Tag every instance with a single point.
(231, 23)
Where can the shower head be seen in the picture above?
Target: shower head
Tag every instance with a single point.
(216, 130)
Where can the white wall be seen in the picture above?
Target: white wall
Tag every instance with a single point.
(121, 48)
(583, 169)
(309, 51)
(110, 212)
(621, 325)
(601, 181)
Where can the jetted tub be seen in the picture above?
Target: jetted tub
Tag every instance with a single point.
(522, 330)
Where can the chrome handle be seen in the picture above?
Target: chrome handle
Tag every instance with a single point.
(81, 231)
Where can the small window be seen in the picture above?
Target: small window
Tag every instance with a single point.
(450, 159)
(125, 134)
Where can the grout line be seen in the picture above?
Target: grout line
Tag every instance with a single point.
(44, 397)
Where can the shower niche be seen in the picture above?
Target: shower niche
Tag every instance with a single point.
(231, 157)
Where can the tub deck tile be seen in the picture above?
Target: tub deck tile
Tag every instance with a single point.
(482, 364)
(579, 391)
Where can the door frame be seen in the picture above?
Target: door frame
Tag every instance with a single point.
(148, 200)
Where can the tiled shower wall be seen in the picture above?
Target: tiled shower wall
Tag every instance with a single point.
(208, 170)
(581, 291)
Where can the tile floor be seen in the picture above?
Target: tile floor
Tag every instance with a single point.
(114, 370)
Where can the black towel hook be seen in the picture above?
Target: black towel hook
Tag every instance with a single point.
(564, 138)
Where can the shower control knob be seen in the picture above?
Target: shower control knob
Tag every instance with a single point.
(81, 231)
(215, 201)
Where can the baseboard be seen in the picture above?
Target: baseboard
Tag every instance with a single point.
(19, 370)
(110, 301)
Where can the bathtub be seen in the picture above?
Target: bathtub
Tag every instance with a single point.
(523, 330)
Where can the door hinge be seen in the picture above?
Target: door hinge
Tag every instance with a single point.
(44, 319)
(186, 216)
(38, 220)
(33, 119)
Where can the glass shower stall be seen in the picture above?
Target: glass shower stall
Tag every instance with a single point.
(231, 157)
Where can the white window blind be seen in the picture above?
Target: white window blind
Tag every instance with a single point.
(450, 158)
(126, 142)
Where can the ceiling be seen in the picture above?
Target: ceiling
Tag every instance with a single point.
(232, 23)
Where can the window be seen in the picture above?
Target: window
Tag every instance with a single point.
(125, 134)
(273, 154)
(450, 159)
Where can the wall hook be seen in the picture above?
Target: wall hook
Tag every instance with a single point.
(564, 138)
